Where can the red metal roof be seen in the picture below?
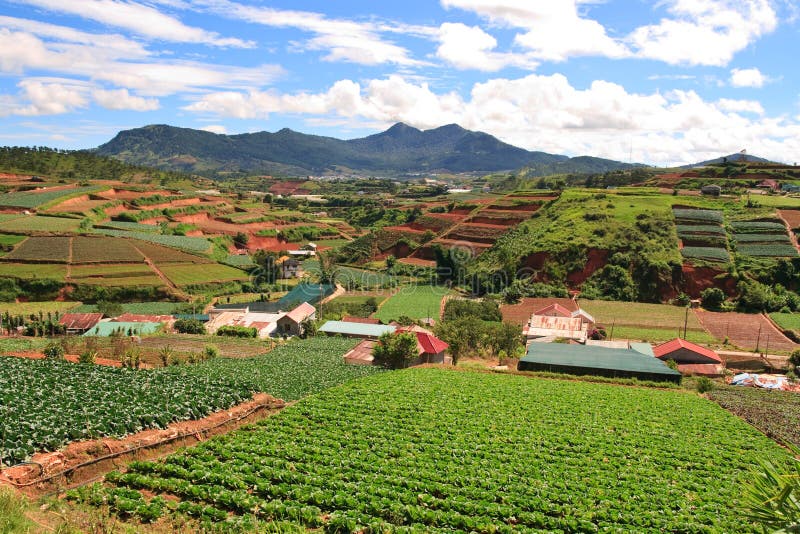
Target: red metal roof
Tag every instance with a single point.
(555, 307)
(427, 343)
(80, 321)
(665, 349)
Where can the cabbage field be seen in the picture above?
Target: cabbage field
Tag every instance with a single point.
(434, 450)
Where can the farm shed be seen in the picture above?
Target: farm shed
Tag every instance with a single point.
(290, 322)
(361, 354)
(78, 323)
(365, 331)
(430, 348)
(554, 310)
(107, 328)
(692, 359)
(168, 320)
(598, 361)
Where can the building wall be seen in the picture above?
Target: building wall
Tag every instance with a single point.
(683, 355)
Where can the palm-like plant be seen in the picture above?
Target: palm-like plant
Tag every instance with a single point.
(772, 498)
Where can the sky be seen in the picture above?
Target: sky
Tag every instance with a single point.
(660, 82)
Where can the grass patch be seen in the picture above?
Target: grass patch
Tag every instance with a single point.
(38, 223)
(787, 321)
(26, 271)
(659, 335)
(27, 308)
(416, 302)
(143, 308)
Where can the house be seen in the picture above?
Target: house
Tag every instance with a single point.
(553, 310)
(291, 323)
(429, 347)
(769, 184)
(361, 354)
(168, 320)
(596, 361)
(290, 267)
(359, 330)
(584, 316)
(690, 357)
(78, 323)
(555, 326)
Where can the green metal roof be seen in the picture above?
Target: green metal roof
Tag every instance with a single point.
(589, 357)
(356, 329)
(643, 348)
(107, 328)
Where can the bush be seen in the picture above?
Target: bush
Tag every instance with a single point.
(53, 351)
(189, 326)
(87, 356)
(211, 351)
(237, 331)
(794, 359)
(704, 384)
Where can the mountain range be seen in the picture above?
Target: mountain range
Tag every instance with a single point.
(400, 149)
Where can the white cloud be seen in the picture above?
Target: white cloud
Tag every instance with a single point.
(50, 98)
(542, 113)
(555, 30)
(122, 99)
(215, 128)
(140, 19)
(469, 47)
(747, 78)
(21, 52)
(343, 40)
(704, 32)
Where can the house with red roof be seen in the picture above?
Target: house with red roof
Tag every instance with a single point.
(79, 323)
(553, 310)
(691, 358)
(430, 348)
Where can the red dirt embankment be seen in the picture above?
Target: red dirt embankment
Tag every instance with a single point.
(84, 461)
(698, 279)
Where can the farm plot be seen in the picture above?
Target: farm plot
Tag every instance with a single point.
(129, 226)
(7, 242)
(38, 223)
(160, 254)
(713, 254)
(288, 372)
(416, 302)
(27, 308)
(104, 250)
(192, 244)
(23, 271)
(187, 274)
(792, 218)
(139, 308)
(130, 274)
(763, 238)
(409, 450)
(702, 235)
(651, 322)
(72, 402)
(775, 413)
(745, 330)
(34, 199)
(787, 321)
(478, 233)
(42, 249)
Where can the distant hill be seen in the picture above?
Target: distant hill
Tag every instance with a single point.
(732, 158)
(400, 149)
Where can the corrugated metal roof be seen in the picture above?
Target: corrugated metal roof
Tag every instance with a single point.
(581, 356)
(554, 308)
(143, 318)
(665, 349)
(202, 317)
(80, 321)
(427, 343)
(107, 328)
(301, 313)
(356, 329)
(643, 348)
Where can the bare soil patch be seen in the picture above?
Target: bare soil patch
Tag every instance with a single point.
(747, 331)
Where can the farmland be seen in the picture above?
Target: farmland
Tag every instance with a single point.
(36, 223)
(104, 250)
(773, 412)
(35, 199)
(747, 331)
(129, 274)
(185, 274)
(42, 249)
(408, 449)
(27, 308)
(53, 271)
(191, 244)
(416, 302)
(123, 401)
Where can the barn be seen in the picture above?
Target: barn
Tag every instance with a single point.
(597, 361)
(691, 358)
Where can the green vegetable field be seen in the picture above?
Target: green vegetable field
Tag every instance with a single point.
(417, 302)
(432, 450)
(66, 402)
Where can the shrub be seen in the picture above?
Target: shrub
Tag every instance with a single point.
(211, 351)
(704, 384)
(794, 359)
(713, 297)
(189, 326)
(237, 331)
(87, 356)
(53, 351)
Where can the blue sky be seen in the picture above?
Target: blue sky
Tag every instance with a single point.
(667, 82)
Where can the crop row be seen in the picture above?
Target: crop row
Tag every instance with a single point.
(51, 249)
(762, 238)
(192, 244)
(755, 227)
(104, 250)
(695, 216)
(706, 253)
(768, 250)
(699, 229)
(34, 199)
(409, 451)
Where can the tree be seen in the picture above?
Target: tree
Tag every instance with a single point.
(505, 337)
(308, 328)
(53, 351)
(241, 239)
(110, 309)
(189, 326)
(327, 268)
(395, 351)
(713, 297)
(794, 359)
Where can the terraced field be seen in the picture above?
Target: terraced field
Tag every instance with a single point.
(37, 223)
(42, 249)
(190, 274)
(416, 302)
(104, 250)
(129, 274)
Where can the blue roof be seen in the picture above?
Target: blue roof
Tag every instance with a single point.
(107, 328)
(302, 292)
(356, 329)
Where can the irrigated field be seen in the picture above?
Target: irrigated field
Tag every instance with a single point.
(42, 249)
(416, 302)
(104, 250)
(422, 450)
(192, 244)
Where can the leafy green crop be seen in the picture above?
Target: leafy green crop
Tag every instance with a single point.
(431, 450)
(692, 216)
(706, 253)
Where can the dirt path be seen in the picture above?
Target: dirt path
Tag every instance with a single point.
(153, 267)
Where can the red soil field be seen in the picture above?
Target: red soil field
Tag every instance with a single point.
(481, 219)
(125, 194)
(412, 228)
(79, 204)
(418, 262)
(520, 313)
(792, 217)
(520, 207)
(742, 330)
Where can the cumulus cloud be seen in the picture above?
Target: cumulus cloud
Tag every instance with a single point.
(140, 19)
(50, 98)
(121, 99)
(469, 47)
(747, 78)
(542, 113)
(704, 32)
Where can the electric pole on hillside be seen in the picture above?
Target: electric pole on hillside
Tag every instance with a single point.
(685, 322)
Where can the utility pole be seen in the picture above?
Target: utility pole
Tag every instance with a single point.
(758, 339)
(685, 322)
